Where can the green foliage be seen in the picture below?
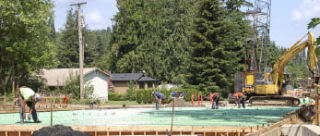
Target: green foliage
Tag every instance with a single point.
(147, 97)
(72, 85)
(312, 24)
(88, 90)
(96, 45)
(139, 96)
(189, 93)
(68, 43)
(121, 102)
(130, 92)
(152, 36)
(25, 38)
(144, 96)
(273, 54)
(116, 96)
(101, 48)
(216, 46)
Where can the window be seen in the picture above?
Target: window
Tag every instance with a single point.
(141, 85)
(149, 84)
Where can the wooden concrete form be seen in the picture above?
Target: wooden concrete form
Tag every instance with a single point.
(16, 110)
(10, 130)
(292, 118)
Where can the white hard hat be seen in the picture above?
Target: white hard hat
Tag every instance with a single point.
(37, 97)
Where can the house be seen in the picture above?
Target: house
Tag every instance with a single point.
(121, 81)
(93, 77)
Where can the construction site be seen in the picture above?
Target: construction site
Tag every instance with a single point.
(264, 100)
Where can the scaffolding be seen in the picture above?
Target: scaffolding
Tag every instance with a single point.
(259, 11)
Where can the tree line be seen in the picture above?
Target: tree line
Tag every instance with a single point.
(200, 44)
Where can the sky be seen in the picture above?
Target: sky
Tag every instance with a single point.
(97, 13)
(289, 18)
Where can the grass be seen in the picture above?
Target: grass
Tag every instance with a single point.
(121, 102)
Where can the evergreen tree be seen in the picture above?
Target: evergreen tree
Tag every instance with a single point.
(103, 48)
(68, 43)
(52, 28)
(174, 48)
(273, 54)
(217, 46)
(152, 36)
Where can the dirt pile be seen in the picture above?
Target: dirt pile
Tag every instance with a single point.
(179, 103)
(58, 130)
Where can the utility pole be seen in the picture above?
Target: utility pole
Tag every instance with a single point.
(80, 47)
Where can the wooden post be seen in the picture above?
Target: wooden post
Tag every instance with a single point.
(172, 115)
(317, 107)
(51, 118)
(13, 90)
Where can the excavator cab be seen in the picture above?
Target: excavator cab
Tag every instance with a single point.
(273, 87)
(287, 84)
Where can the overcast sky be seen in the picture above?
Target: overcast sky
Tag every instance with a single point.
(289, 18)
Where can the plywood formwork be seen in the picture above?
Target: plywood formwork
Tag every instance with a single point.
(134, 130)
(292, 118)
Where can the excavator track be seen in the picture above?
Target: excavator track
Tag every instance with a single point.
(276, 100)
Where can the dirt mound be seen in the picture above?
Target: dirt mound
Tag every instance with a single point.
(58, 130)
(179, 103)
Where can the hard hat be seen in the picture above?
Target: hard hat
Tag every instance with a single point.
(37, 97)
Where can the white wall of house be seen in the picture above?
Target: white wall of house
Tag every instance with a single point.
(99, 82)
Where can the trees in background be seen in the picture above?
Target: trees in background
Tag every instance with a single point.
(68, 43)
(96, 45)
(195, 43)
(217, 48)
(152, 36)
(25, 39)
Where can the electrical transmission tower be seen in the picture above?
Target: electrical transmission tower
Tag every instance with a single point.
(259, 12)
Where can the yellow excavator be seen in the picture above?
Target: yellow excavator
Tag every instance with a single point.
(270, 88)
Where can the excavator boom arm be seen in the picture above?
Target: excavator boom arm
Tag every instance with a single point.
(282, 61)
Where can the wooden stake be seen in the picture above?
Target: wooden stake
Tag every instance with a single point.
(172, 115)
(51, 118)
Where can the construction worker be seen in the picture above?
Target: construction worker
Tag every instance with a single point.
(28, 97)
(240, 98)
(215, 98)
(159, 97)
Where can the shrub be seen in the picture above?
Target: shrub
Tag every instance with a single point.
(144, 96)
(130, 95)
(116, 96)
(189, 93)
(72, 85)
(139, 96)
